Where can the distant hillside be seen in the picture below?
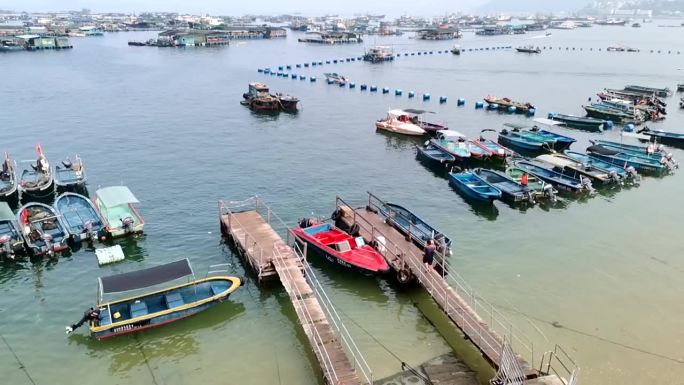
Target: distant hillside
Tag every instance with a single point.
(495, 6)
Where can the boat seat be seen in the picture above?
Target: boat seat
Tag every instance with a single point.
(174, 300)
(138, 309)
(217, 289)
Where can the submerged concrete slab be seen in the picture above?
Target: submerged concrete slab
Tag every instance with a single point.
(442, 370)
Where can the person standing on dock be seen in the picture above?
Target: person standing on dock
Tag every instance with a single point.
(429, 253)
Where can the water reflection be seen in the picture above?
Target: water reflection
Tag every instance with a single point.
(400, 141)
(364, 287)
(486, 210)
(170, 342)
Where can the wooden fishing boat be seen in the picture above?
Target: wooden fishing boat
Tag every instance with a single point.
(156, 308)
(541, 189)
(259, 98)
(519, 142)
(37, 180)
(71, 175)
(456, 144)
(568, 166)
(340, 248)
(626, 174)
(116, 206)
(80, 217)
(398, 122)
(669, 138)
(504, 103)
(434, 156)
(511, 190)
(528, 49)
(42, 229)
(660, 92)
(472, 186)
(640, 163)
(411, 224)
(562, 182)
(9, 190)
(288, 103)
(582, 123)
(11, 239)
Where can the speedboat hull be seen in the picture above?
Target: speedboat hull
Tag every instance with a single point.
(400, 128)
(80, 217)
(472, 186)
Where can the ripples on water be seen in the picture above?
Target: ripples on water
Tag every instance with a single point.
(168, 124)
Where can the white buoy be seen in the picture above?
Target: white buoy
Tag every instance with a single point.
(111, 254)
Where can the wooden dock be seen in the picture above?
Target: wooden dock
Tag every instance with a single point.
(494, 337)
(271, 257)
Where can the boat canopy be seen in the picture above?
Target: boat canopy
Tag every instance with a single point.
(450, 134)
(6, 213)
(141, 279)
(115, 196)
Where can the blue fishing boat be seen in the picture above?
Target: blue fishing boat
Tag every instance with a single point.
(562, 182)
(434, 156)
(472, 186)
(411, 224)
(116, 206)
(670, 138)
(42, 229)
(511, 190)
(156, 308)
(80, 217)
(650, 149)
(555, 141)
(521, 143)
(582, 123)
(628, 173)
(11, 240)
(496, 151)
(569, 166)
(71, 175)
(624, 159)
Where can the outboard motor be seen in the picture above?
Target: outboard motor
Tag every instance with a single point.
(127, 224)
(6, 247)
(613, 176)
(88, 231)
(67, 164)
(47, 238)
(549, 192)
(586, 185)
(530, 197)
(632, 173)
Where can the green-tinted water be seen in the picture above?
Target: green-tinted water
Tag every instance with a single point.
(602, 277)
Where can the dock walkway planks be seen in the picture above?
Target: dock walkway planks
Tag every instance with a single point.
(270, 256)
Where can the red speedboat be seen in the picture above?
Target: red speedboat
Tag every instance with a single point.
(342, 249)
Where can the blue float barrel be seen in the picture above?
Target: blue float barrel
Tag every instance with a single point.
(352, 85)
(442, 99)
(320, 63)
(342, 84)
(313, 78)
(609, 124)
(302, 77)
(551, 115)
(479, 105)
(373, 88)
(273, 73)
(531, 112)
(267, 70)
(397, 92)
(260, 70)
(493, 106)
(298, 66)
(327, 62)
(411, 94)
(294, 76)
(426, 96)
(385, 90)
(363, 87)
(306, 65)
(628, 128)
(335, 61)
(280, 68)
(313, 63)
(460, 102)
(511, 109)
(289, 67)
(330, 81)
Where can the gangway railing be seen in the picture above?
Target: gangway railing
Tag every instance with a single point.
(559, 362)
(232, 207)
(352, 351)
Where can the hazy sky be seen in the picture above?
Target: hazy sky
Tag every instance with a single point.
(237, 7)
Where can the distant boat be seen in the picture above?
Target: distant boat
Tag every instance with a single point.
(528, 49)
(335, 78)
(42, 228)
(159, 307)
(116, 206)
(341, 249)
(579, 122)
(660, 92)
(669, 138)
(11, 238)
(472, 186)
(379, 54)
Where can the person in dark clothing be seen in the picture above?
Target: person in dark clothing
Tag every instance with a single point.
(92, 314)
(429, 253)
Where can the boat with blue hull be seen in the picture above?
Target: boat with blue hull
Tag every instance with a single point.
(8, 180)
(651, 149)
(579, 122)
(624, 159)
(568, 166)
(472, 186)
(434, 156)
(81, 218)
(669, 138)
(11, 239)
(555, 141)
(156, 308)
(71, 175)
(514, 140)
(43, 230)
(455, 144)
(511, 190)
(625, 174)
(563, 183)
(541, 189)
(411, 224)
(340, 248)
(37, 180)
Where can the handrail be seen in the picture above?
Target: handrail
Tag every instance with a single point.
(565, 366)
(439, 284)
(223, 209)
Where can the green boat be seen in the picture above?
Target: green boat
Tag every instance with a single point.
(579, 122)
(541, 189)
(609, 114)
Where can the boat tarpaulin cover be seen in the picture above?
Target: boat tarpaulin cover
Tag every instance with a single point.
(418, 112)
(6, 212)
(598, 149)
(115, 196)
(140, 279)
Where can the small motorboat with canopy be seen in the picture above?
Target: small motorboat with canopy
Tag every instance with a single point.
(399, 122)
(11, 239)
(116, 207)
(158, 307)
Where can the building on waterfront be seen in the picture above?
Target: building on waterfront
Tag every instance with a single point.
(192, 38)
(440, 33)
(37, 42)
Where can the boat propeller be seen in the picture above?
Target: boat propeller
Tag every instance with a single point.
(586, 185)
(613, 176)
(47, 238)
(530, 197)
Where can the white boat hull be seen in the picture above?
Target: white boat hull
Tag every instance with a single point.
(400, 128)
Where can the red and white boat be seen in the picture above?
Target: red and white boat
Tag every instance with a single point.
(342, 249)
